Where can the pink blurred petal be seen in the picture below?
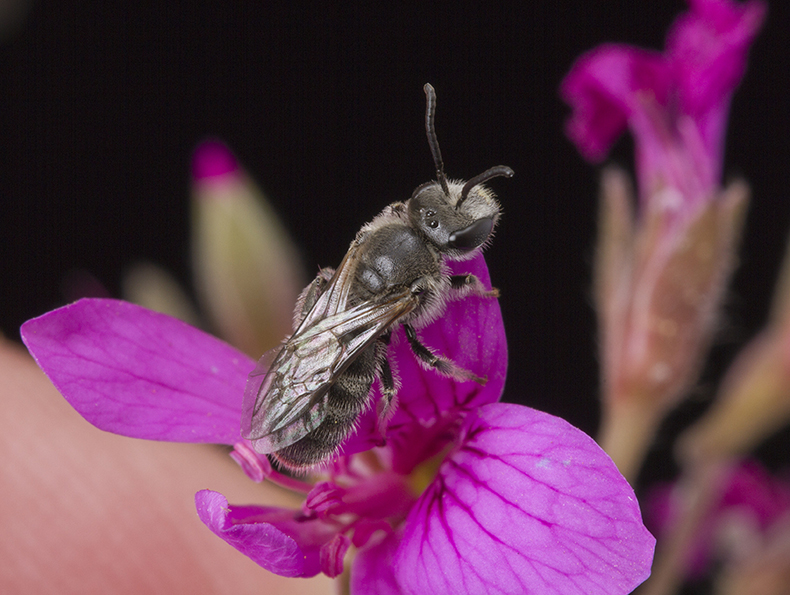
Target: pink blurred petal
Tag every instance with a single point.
(605, 87)
(135, 372)
(527, 504)
(274, 538)
(746, 490)
(617, 85)
(372, 570)
(86, 512)
(213, 159)
(752, 487)
(708, 47)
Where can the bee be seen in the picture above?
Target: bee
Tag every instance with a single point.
(304, 398)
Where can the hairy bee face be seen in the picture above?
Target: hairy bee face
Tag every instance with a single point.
(454, 224)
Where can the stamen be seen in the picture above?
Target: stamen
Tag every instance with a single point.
(258, 467)
(324, 498)
(332, 553)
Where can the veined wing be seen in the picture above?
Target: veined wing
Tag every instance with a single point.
(334, 299)
(290, 400)
(269, 386)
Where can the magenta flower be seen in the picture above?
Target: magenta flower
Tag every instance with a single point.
(463, 495)
(660, 274)
(748, 499)
(675, 103)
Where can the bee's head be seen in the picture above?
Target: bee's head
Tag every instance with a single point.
(456, 217)
(458, 220)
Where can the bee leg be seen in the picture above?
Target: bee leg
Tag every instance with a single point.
(310, 295)
(441, 364)
(389, 383)
(469, 284)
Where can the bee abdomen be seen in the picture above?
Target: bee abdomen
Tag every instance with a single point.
(346, 400)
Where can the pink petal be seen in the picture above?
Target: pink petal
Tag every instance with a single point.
(471, 333)
(705, 59)
(138, 373)
(750, 486)
(605, 88)
(274, 538)
(372, 570)
(212, 159)
(745, 489)
(528, 504)
(708, 47)
(615, 86)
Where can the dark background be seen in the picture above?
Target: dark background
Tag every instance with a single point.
(102, 103)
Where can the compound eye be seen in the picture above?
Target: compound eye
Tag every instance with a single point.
(473, 236)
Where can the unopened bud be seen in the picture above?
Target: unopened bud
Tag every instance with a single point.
(658, 295)
(246, 268)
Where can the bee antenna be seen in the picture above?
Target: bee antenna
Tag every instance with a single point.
(494, 172)
(433, 142)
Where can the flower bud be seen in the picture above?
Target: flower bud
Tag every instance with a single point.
(754, 398)
(659, 284)
(247, 271)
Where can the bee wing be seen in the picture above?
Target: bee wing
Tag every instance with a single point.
(269, 386)
(290, 401)
(334, 299)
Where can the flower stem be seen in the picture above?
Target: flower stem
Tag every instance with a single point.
(627, 431)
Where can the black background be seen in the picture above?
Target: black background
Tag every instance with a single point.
(102, 103)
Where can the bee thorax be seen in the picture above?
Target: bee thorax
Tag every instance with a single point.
(394, 256)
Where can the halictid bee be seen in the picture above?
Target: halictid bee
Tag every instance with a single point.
(304, 398)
